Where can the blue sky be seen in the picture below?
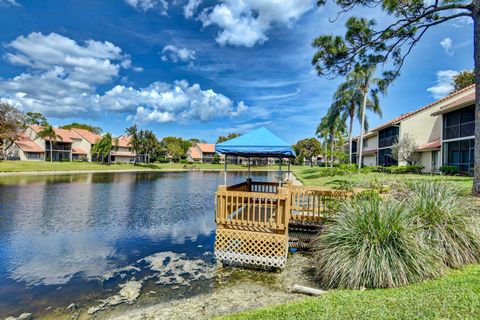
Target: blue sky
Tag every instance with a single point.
(197, 68)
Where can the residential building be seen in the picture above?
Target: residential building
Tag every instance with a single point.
(86, 143)
(201, 152)
(24, 148)
(123, 152)
(457, 139)
(424, 125)
(68, 145)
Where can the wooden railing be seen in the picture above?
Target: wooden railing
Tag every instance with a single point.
(252, 209)
(267, 187)
(314, 203)
(266, 205)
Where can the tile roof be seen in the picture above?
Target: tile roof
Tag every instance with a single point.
(92, 138)
(63, 134)
(78, 151)
(124, 141)
(457, 104)
(206, 147)
(430, 145)
(28, 145)
(428, 106)
(123, 153)
(369, 152)
(194, 153)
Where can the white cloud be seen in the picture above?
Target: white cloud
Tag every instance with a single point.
(443, 84)
(63, 74)
(9, 3)
(190, 7)
(163, 102)
(246, 22)
(63, 79)
(146, 5)
(447, 46)
(175, 54)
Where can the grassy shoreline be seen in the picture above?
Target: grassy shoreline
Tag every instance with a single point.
(41, 167)
(454, 296)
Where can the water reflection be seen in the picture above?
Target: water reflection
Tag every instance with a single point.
(57, 228)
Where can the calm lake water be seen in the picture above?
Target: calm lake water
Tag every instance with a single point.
(65, 239)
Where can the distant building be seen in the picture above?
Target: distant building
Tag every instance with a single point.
(124, 152)
(201, 152)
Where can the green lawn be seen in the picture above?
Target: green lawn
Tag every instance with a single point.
(35, 166)
(313, 177)
(455, 296)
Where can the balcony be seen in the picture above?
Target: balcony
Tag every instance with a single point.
(387, 142)
(466, 129)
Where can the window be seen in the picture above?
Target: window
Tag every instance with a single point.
(365, 143)
(459, 123)
(33, 155)
(459, 154)
(385, 158)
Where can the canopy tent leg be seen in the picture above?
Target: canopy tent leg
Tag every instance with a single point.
(225, 171)
(288, 176)
(280, 172)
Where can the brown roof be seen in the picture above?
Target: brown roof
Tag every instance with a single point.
(457, 104)
(124, 141)
(26, 144)
(91, 137)
(206, 147)
(123, 153)
(430, 145)
(194, 153)
(369, 152)
(78, 151)
(63, 134)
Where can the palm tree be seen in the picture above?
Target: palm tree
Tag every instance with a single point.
(364, 78)
(135, 140)
(347, 101)
(334, 124)
(104, 146)
(48, 132)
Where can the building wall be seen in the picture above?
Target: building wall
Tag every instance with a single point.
(84, 145)
(369, 160)
(123, 159)
(426, 161)
(33, 135)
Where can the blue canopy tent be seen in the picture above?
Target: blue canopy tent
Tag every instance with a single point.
(259, 143)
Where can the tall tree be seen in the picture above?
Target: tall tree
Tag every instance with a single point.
(463, 79)
(104, 147)
(11, 125)
(92, 129)
(227, 137)
(308, 148)
(35, 118)
(334, 124)
(347, 101)
(135, 141)
(48, 132)
(390, 45)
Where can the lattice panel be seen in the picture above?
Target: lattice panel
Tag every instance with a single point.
(251, 248)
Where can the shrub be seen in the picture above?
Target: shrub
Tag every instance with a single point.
(373, 244)
(449, 170)
(184, 161)
(403, 169)
(216, 159)
(450, 225)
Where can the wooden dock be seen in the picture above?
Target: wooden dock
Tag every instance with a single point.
(254, 218)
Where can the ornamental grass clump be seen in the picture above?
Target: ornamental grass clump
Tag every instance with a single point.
(449, 223)
(372, 243)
